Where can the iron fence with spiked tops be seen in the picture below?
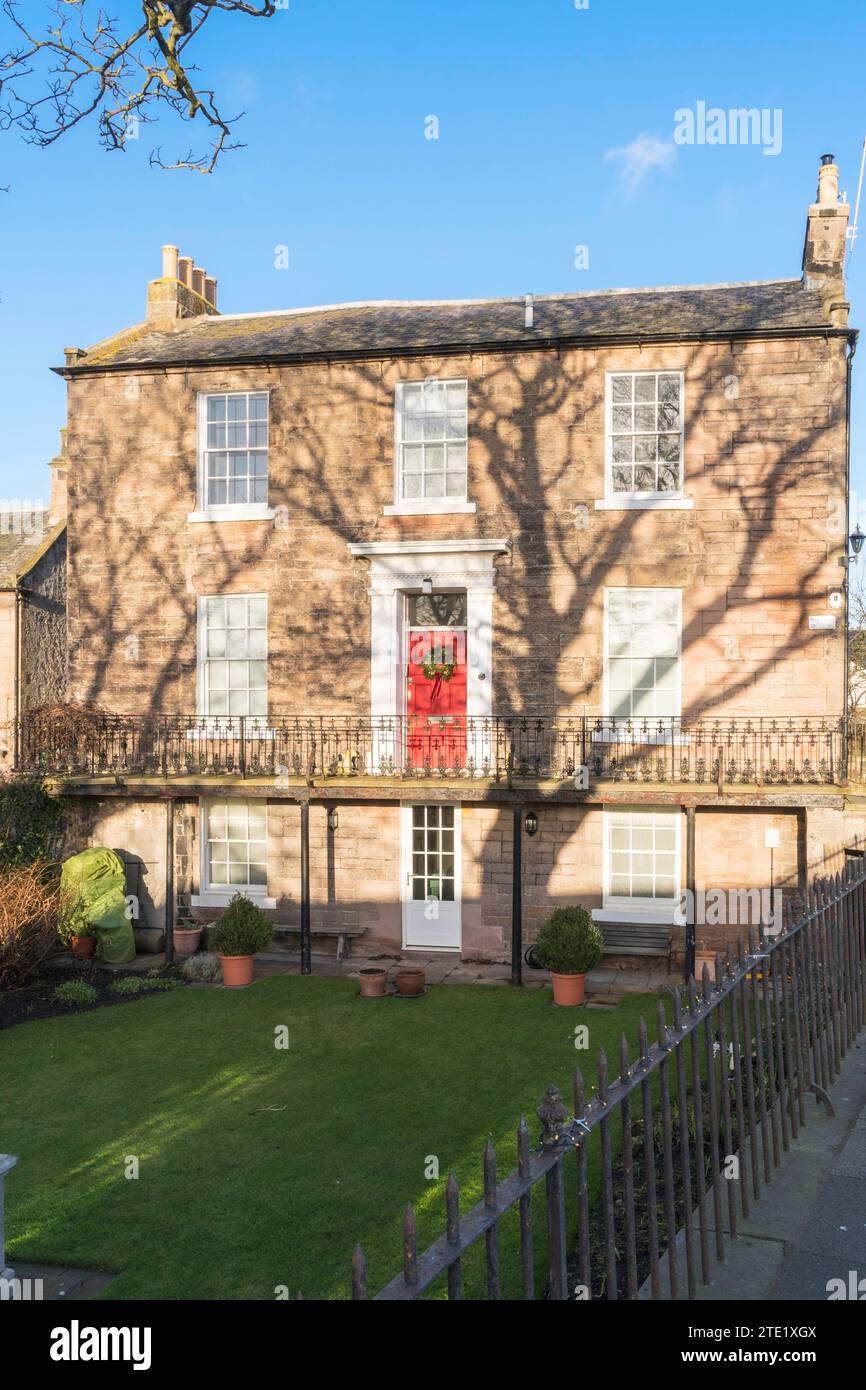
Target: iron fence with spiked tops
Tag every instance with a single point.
(681, 1139)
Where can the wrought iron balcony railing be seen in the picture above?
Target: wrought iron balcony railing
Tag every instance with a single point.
(507, 747)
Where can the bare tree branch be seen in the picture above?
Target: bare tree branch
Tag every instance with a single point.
(85, 64)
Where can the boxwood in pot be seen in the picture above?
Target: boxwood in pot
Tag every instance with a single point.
(242, 930)
(569, 945)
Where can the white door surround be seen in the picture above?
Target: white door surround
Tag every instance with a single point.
(400, 567)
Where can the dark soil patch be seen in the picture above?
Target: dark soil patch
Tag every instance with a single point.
(35, 1000)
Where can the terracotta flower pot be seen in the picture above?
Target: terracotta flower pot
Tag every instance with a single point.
(83, 947)
(373, 983)
(186, 940)
(568, 990)
(410, 979)
(237, 971)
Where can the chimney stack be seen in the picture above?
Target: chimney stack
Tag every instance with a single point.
(826, 243)
(58, 466)
(184, 291)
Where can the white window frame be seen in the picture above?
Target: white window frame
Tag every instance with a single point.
(425, 506)
(606, 693)
(228, 511)
(202, 658)
(617, 908)
(639, 501)
(219, 895)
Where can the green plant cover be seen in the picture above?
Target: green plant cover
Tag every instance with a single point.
(93, 883)
(570, 943)
(242, 930)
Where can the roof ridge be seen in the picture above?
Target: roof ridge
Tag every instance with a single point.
(516, 299)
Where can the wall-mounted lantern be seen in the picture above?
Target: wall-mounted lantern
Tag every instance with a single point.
(426, 585)
(530, 823)
(333, 819)
(855, 540)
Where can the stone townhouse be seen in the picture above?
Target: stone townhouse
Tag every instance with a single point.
(361, 596)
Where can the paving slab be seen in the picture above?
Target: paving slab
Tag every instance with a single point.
(61, 1282)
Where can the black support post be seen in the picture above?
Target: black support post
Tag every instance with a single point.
(306, 949)
(517, 900)
(169, 881)
(691, 907)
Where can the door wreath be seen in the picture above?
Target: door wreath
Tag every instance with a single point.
(438, 670)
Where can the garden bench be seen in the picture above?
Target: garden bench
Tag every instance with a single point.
(344, 935)
(638, 939)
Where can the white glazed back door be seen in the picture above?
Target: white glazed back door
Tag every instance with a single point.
(431, 877)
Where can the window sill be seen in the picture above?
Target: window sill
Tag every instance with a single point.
(212, 898)
(645, 504)
(644, 738)
(429, 506)
(637, 916)
(255, 511)
(228, 726)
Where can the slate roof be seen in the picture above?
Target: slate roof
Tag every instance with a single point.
(385, 329)
(18, 552)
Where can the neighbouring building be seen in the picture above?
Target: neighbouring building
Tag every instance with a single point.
(398, 573)
(32, 606)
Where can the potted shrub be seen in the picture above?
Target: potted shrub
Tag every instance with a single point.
(187, 935)
(75, 931)
(569, 945)
(242, 930)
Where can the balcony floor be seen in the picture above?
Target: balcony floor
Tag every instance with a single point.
(464, 789)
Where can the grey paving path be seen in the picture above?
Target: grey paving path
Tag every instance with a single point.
(58, 1282)
(443, 968)
(810, 1225)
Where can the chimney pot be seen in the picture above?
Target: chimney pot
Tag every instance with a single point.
(828, 182)
(529, 312)
(181, 293)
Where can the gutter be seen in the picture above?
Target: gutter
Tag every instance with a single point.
(462, 349)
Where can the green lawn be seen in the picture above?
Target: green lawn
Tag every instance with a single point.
(262, 1167)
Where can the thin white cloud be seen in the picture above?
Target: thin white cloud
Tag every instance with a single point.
(641, 156)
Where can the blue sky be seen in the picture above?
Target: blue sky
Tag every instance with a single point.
(531, 99)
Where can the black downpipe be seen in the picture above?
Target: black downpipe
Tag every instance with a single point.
(690, 899)
(517, 900)
(852, 345)
(306, 950)
(169, 881)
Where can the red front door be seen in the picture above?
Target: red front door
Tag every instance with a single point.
(436, 699)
